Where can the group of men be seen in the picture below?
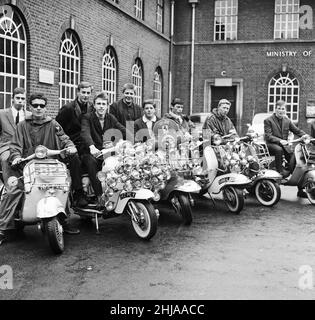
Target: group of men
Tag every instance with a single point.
(82, 126)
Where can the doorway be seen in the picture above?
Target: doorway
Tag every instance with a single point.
(229, 93)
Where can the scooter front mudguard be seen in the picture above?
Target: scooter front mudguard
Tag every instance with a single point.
(49, 207)
(269, 174)
(229, 179)
(189, 186)
(124, 197)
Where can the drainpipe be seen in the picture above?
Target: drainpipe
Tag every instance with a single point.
(192, 62)
(170, 67)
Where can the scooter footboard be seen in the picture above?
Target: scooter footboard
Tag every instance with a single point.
(49, 207)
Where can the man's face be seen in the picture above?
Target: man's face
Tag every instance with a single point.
(18, 101)
(38, 108)
(84, 95)
(281, 111)
(223, 109)
(149, 111)
(101, 106)
(129, 95)
(178, 109)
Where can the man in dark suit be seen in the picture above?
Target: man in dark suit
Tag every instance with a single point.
(93, 133)
(277, 129)
(9, 118)
(144, 125)
(125, 110)
(70, 116)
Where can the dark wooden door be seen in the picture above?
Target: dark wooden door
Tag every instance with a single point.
(229, 93)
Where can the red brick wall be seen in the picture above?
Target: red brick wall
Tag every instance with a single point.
(95, 22)
(244, 59)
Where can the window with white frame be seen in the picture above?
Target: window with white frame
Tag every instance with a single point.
(225, 20)
(159, 15)
(286, 19)
(109, 80)
(137, 78)
(69, 67)
(284, 86)
(139, 9)
(12, 54)
(157, 91)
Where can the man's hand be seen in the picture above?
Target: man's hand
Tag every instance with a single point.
(284, 142)
(94, 151)
(71, 150)
(16, 161)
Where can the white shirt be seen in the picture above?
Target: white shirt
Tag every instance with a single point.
(149, 123)
(21, 114)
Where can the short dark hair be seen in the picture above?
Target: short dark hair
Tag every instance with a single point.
(149, 101)
(177, 101)
(37, 96)
(18, 90)
(103, 95)
(129, 86)
(280, 103)
(85, 84)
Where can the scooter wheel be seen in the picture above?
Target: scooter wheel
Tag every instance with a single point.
(234, 199)
(184, 208)
(310, 192)
(267, 192)
(55, 235)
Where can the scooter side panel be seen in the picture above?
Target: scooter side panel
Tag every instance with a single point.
(210, 164)
(235, 179)
(189, 186)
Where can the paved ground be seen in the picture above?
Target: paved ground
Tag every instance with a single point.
(256, 255)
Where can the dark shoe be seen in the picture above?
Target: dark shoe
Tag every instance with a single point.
(79, 199)
(3, 238)
(302, 194)
(69, 230)
(285, 173)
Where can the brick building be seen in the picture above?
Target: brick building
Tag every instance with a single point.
(251, 52)
(49, 46)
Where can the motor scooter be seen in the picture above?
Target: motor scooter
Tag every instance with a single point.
(181, 185)
(123, 193)
(303, 175)
(254, 164)
(220, 174)
(47, 185)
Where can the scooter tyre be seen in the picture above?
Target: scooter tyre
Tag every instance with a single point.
(54, 233)
(185, 208)
(235, 206)
(151, 220)
(273, 187)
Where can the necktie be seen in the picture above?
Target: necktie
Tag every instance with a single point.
(17, 119)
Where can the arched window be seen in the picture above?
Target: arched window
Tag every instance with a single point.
(137, 78)
(284, 86)
(69, 67)
(157, 90)
(12, 54)
(109, 81)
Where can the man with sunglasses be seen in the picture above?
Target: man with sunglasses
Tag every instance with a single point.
(9, 118)
(37, 129)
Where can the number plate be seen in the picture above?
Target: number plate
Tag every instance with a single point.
(127, 195)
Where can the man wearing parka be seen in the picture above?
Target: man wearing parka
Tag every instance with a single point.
(218, 122)
(37, 129)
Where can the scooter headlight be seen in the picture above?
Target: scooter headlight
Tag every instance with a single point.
(101, 176)
(41, 152)
(128, 186)
(217, 140)
(147, 185)
(156, 197)
(109, 206)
